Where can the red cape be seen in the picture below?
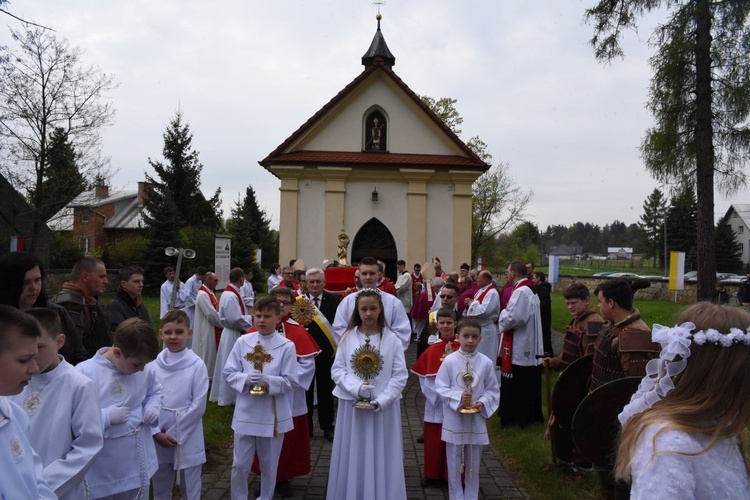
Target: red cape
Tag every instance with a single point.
(429, 362)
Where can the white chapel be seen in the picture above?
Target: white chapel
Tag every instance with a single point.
(378, 163)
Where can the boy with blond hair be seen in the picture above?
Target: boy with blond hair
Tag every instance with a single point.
(21, 466)
(63, 412)
(130, 401)
(179, 433)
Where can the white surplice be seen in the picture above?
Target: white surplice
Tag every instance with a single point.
(523, 317)
(486, 312)
(264, 414)
(165, 296)
(20, 465)
(235, 323)
(367, 460)
(467, 428)
(128, 459)
(66, 426)
(395, 317)
(204, 340)
(248, 294)
(187, 293)
(184, 386)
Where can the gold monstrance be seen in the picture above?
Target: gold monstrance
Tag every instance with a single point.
(258, 357)
(303, 311)
(448, 350)
(366, 363)
(467, 378)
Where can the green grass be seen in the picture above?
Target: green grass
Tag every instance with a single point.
(217, 426)
(664, 313)
(528, 456)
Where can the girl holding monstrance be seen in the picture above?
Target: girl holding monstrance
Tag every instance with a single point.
(370, 372)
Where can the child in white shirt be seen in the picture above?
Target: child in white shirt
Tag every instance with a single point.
(184, 386)
(260, 420)
(466, 381)
(130, 401)
(63, 411)
(20, 465)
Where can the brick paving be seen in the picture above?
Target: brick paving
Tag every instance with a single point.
(495, 479)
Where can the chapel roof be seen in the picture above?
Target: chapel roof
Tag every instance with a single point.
(378, 59)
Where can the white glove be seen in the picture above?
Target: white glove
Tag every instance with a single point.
(432, 339)
(254, 377)
(150, 415)
(365, 391)
(118, 414)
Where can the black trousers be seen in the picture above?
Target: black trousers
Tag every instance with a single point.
(324, 385)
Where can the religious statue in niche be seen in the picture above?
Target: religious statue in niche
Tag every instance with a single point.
(343, 245)
(375, 133)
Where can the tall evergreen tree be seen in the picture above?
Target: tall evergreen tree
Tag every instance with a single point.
(700, 99)
(180, 178)
(728, 249)
(250, 229)
(681, 234)
(651, 225)
(62, 179)
(163, 223)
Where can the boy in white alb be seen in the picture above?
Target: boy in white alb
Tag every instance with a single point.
(63, 411)
(263, 359)
(20, 465)
(130, 401)
(466, 381)
(179, 435)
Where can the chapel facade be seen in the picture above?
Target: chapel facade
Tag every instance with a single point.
(377, 162)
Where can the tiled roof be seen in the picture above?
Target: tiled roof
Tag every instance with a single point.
(127, 214)
(339, 158)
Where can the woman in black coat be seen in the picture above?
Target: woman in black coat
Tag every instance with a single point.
(23, 288)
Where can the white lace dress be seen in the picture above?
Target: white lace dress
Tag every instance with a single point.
(661, 470)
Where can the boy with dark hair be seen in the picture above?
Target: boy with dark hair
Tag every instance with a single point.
(130, 402)
(426, 368)
(262, 369)
(582, 330)
(294, 460)
(21, 466)
(128, 302)
(63, 412)
(179, 431)
(580, 340)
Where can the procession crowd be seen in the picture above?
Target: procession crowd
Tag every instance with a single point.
(91, 406)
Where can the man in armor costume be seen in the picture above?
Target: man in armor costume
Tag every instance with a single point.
(580, 339)
(622, 350)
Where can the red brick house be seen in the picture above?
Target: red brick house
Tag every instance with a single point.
(100, 218)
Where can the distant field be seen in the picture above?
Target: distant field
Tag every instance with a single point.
(588, 270)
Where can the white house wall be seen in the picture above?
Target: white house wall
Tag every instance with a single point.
(439, 224)
(311, 222)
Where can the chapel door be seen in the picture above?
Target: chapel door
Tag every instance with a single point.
(375, 240)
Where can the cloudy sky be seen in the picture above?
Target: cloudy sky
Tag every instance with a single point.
(246, 74)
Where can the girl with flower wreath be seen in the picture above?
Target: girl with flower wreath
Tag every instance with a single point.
(684, 431)
(367, 460)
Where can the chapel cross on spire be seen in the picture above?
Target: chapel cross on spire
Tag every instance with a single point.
(378, 3)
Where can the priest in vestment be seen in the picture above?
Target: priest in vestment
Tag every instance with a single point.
(208, 327)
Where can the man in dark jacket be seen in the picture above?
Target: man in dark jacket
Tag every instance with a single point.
(128, 302)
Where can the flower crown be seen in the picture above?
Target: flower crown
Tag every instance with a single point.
(675, 342)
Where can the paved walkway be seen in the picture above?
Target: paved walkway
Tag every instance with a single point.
(495, 479)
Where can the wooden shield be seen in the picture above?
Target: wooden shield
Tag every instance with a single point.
(595, 423)
(571, 388)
